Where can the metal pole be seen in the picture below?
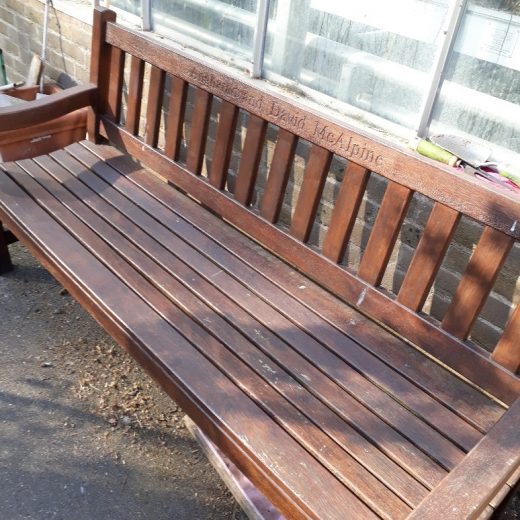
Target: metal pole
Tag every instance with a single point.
(146, 14)
(453, 18)
(262, 17)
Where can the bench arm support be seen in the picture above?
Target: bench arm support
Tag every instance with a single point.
(47, 108)
(468, 489)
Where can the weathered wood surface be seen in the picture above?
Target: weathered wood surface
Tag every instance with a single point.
(46, 108)
(156, 240)
(467, 490)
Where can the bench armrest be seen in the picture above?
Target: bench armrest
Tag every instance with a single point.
(47, 108)
(468, 489)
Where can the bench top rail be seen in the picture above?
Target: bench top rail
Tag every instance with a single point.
(202, 168)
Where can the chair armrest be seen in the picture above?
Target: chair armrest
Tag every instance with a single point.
(468, 489)
(47, 108)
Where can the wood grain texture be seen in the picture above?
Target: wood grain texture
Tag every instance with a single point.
(250, 159)
(467, 490)
(507, 350)
(311, 190)
(175, 121)
(115, 86)
(384, 233)
(478, 280)
(278, 176)
(47, 108)
(99, 69)
(492, 206)
(468, 361)
(154, 106)
(428, 256)
(346, 208)
(135, 95)
(198, 131)
(223, 144)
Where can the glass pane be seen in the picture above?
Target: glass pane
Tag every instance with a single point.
(481, 94)
(375, 55)
(208, 25)
(130, 6)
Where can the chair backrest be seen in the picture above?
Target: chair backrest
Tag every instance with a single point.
(274, 117)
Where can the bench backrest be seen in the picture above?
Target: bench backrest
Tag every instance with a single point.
(452, 194)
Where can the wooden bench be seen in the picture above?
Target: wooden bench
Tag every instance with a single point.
(335, 397)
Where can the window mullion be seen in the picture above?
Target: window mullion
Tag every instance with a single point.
(146, 14)
(453, 19)
(262, 15)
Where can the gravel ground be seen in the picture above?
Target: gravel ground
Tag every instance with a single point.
(82, 428)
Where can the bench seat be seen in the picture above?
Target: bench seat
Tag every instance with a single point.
(318, 405)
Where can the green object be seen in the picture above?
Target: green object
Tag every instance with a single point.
(3, 75)
(437, 153)
(513, 177)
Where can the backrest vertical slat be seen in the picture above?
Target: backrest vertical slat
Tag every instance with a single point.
(507, 350)
(99, 68)
(428, 256)
(345, 211)
(135, 94)
(223, 144)
(115, 88)
(176, 109)
(278, 176)
(311, 190)
(384, 233)
(154, 106)
(251, 155)
(199, 131)
(477, 282)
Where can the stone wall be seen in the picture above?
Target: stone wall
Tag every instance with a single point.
(69, 42)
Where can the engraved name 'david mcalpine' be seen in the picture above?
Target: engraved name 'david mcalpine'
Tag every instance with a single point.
(344, 144)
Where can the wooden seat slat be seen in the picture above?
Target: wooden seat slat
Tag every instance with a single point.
(176, 110)
(154, 106)
(199, 131)
(457, 394)
(359, 387)
(478, 280)
(302, 369)
(428, 256)
(345, 211)
(174, 353)
(223, 144)
(278, 176)
(343, 346)
(311, 189)
(273, 372)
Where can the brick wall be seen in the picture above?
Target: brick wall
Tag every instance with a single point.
(69, 42)
(21, 23)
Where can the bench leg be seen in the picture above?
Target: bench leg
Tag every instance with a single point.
(5, 258)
